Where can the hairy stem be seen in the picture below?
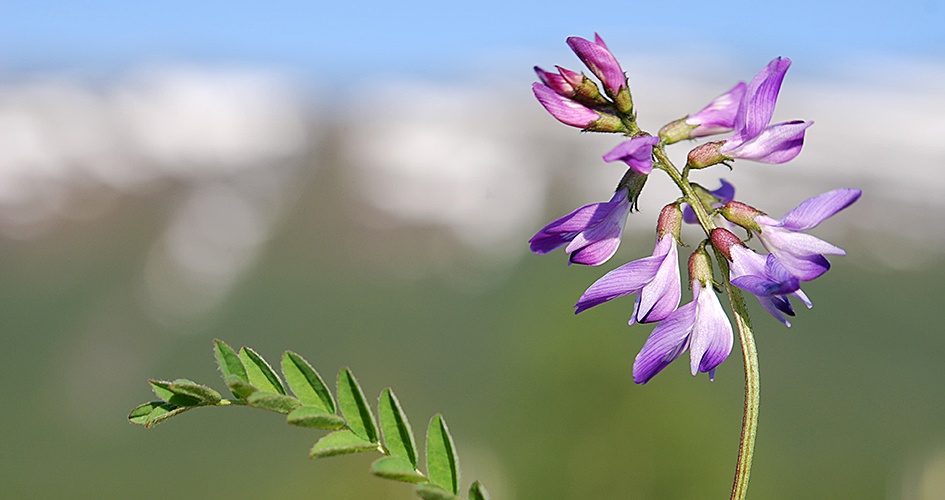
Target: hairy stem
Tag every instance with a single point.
(752, 381)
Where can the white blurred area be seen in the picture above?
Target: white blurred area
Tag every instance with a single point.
(482, 166)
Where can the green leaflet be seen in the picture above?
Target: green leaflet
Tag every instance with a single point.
(339, 443)
(398, 469)
(430, 491)
(398, 436)
(305, 382)
(442, 462)
(478, 492)
(279, 403)
(354, 407)
(259, 372)
(194, 390)
(163, 391)
(314, 417)
(140, 414)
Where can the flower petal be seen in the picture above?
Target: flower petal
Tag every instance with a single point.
(813, 211)
(637, 153)
(660, 297)
(667, 341)
(712, 336)
(597, 57)
(562, 230)
(757, 106)
(626, 279)
(567, 111)
(719, 116)
(775, 144)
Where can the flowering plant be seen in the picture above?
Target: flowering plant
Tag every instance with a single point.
(593, 232)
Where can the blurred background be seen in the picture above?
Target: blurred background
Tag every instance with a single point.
(357, 182)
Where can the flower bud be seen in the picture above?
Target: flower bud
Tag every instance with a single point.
(575, 114)
(585, 90)
(598, 58)
(556, 82)
(741, 214)
(706, 155)
(723, 240)
(634, 183)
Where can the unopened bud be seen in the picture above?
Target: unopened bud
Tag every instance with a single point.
(606, 122)
(633, 182)
(706, 155)
(585, 90)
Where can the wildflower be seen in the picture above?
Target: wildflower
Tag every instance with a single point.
(571, 112)
(654, 279)
(598, 58)
(591, 232)
(700, 326)
(716, 118)
(637, 153)
(800, 253)
(754, 139)
(762, 276)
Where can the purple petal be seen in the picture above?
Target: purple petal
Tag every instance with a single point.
(561, 231)
(712, 335)
(771, 307)
(598, 243)
(719, 116)
(598, 59)
(667, 341)
(757, 106)
(637, 153)
(813, 211)
(800, 253)
(745, 262)
(660, 297)
(626, 279)
(555, 81)
(567, 111)
(775, 144)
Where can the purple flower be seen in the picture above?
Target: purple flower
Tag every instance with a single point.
(598, 58)
(556, 82)
(754, 139)
(723, 194)
(654, 279)
(566, 110)
(700, 326)
(637, 153)
(591, 232)
(762, 276)
(801, 254)
(719, 116)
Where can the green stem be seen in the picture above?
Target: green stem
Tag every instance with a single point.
(752, 380)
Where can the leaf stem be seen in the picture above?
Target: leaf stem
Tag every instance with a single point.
(742, 321)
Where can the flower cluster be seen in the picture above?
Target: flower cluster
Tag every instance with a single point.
(592, 233)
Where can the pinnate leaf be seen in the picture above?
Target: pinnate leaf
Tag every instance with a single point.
(478, 492)
(430, 491)
(398, 436)
(314, 417)
(354, 407)
(305, 382)
(231, 367)
(339, 443)
(163, 391)
(259, 372)
(279, 403)
(194, 390)
(398, 469)
(442, 462)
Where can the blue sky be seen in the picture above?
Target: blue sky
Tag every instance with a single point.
(331, 39)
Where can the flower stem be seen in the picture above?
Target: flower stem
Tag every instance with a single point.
(752, 380)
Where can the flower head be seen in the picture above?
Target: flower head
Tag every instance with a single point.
(637, 153)
(801, 254)
(591, 232)
(700, 326)
(654, 279)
